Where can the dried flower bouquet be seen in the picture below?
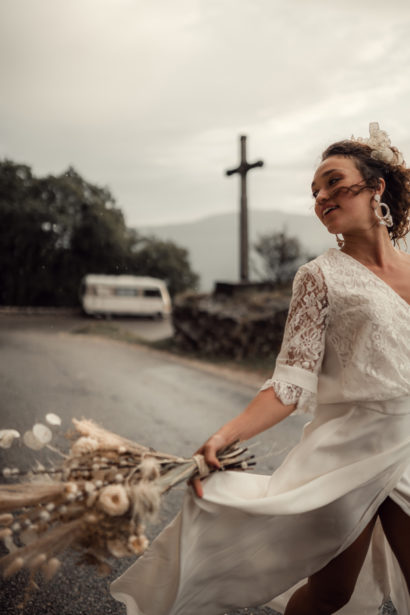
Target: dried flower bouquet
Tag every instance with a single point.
(97, 502)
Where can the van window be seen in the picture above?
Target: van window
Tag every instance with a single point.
(104, 291)
(152, 292)
(126, 292)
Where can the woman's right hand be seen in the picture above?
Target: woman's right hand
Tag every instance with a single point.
(209, 451)
(264, 411)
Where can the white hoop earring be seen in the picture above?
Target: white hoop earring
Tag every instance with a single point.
(340, 241)
(386, 218)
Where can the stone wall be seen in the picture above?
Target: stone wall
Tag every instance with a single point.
(238, 325)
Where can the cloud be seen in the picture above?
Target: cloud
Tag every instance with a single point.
(150, 98)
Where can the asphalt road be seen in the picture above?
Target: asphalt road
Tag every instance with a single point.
(134, 391)
(58, 320)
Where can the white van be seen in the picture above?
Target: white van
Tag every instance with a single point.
(124, 294)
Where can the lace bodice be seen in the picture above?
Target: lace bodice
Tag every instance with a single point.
(346, 337)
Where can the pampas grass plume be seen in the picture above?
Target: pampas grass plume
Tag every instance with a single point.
(149, 468)
(146, 498)
(84, 445)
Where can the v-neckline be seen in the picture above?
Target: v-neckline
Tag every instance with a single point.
(374, 275)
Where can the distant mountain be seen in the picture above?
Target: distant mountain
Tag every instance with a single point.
(213, 242)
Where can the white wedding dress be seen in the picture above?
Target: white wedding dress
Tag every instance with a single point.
(345, 357)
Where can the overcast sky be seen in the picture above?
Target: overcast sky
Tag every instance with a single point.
(150, 97)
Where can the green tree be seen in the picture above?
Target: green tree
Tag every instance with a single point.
(56, 229)
(279, 257)
(25, 245)
(165, 260)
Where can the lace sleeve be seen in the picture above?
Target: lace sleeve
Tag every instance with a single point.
(298, 364)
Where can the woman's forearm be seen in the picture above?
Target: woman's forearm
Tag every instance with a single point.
(264, 411)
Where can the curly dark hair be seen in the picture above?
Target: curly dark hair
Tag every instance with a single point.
(397, 177)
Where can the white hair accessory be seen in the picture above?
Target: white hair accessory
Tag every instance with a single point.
(381, 146)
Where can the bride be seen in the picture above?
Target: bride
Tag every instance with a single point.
(329, 531)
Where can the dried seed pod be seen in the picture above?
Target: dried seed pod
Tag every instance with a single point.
(5, 533)
(50, 568)
(9, 543)
(37, 561)
(117, 548)
(138, 544)
(28, 536)
(89, 487)
(113, 500)
(42, 433)
(71, 487)
(7, 437)
(44, 516)
(31, 441)
(90, 501)
(6, 519)
(16, 565)
(53, 419)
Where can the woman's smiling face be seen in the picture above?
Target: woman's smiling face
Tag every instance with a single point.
(342, 203)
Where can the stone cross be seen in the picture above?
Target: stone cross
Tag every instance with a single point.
(243, 169)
